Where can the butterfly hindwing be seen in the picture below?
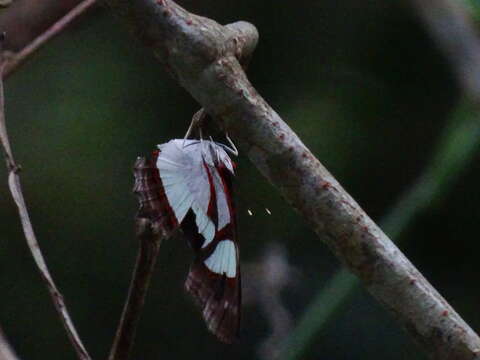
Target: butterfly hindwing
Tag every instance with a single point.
(214, 277)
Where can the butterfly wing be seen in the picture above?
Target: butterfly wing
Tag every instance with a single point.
(219, 299)
(186, 184)
(189, 184)
(214, 278)
(151, 195)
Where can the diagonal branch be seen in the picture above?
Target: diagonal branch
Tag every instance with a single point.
(16, 190)
(6, 351)
(15, 60)
(455, 151)
(202, 56)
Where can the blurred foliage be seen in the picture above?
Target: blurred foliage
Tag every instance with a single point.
(474, 7)
(362, 85)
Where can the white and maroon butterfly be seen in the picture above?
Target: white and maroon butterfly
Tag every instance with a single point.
(188, 184)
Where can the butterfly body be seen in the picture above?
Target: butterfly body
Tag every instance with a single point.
(188, 184)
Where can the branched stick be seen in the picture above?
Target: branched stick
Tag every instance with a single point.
(16, 190)
(6, 351)
(203, 56)
(14, 60)
(149, 245)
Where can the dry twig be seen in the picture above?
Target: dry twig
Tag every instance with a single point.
(6, 351)
(202, 56)
(16, 190)
(149, 246)
(16, 59)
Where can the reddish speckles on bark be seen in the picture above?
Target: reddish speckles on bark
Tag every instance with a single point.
(275, 123)
(445, 313)
(304, 155)
(326, 185)
(412, 281)
(189, 22)
(281, 136)
(160, 2)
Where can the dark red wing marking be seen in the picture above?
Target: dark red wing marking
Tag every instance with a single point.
(218, 296)
(227, 182)
(151, 196)
(212, 210)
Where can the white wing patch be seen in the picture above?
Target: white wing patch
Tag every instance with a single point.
(205, 226)
(223, 259)
(181, 165)
(186, 183)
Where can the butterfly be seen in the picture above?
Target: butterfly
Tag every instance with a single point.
(188, 185)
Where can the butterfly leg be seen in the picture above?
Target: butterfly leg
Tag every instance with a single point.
(196, 122)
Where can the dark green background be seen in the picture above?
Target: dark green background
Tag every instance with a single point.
(363, 86)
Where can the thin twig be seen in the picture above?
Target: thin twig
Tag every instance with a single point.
(16, 59)
(201, 55)
(6, 351)
(149, 246)
(16, 190)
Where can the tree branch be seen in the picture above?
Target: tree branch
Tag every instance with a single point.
(6, 351)
(202, 56)
(16, 59)
(16, 190)
(455, 150)
(149, 246)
